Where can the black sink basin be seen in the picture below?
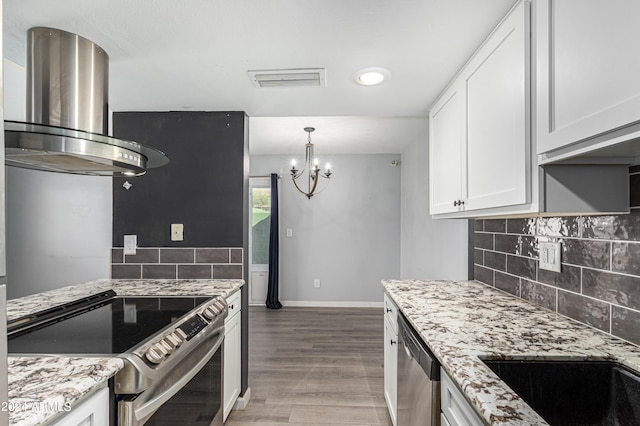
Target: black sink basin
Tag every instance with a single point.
(574, 392)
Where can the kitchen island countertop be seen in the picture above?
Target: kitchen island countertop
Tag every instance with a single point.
(39, 384)
(464, 321)
(37, 302)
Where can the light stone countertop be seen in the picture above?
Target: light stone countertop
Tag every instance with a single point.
(462, 321)
(42, 388)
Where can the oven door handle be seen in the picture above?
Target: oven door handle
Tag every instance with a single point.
(130, 414)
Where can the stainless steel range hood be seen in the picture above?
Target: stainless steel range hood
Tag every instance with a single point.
(67, 113)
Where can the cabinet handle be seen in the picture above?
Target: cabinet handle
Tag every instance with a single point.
(231, 306)
(458, 203)
(393, 342)
(389, 310)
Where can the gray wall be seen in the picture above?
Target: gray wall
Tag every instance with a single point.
(347, 236)
(58, 226)
(58, 230)
(431, 249)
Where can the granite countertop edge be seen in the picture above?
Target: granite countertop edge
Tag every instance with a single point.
(37, 394)
(463, 322)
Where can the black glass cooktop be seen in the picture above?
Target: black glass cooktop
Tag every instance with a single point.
(108, 327)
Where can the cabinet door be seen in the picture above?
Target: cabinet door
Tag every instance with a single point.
(232, 351)
(587, 69)
(498, 123)
(391, 370)
(455, 408)
(93, 411)
(446, 153)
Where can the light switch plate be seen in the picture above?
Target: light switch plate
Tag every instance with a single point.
(549, 256)
(130, 244)
(177, 232)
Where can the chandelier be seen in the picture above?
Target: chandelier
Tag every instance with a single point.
(312, 175)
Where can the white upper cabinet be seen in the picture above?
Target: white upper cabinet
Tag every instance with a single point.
(479, 141)
(587, 70)
(498, 133)
(446, 151)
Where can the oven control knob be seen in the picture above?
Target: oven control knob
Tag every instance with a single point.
(181, 335)
(221, 304)
(209, 313)
(158, 346)
(174, 339)
(153, 355)
(167, 345)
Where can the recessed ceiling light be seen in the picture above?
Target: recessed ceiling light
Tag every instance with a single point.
(372, 76)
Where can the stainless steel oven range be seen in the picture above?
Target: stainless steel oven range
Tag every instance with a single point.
(171, 346)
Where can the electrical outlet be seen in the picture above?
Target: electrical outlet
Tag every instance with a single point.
(130, 244)
(177, 232)
(549, 256)
(316, 283)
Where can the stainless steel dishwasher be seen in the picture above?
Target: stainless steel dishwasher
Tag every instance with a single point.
(418, 379)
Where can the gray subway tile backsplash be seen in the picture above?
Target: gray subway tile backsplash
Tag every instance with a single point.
(194, 272)
(212, 255)
(590, 253)
(117, 255)
(129, 272)
(483, 240)
(159, 272)
(236, 255)
(625, 323)
(177, 255)
(508, 283)
(599, 284)
(483, 274)
(178, 263)
(495, 225)
(623, 290)
(143, 255)
(221, 272)
(584, 309)
(497, 261)
(568, 278)
(539, 294)
(522, 266)
(626, 257)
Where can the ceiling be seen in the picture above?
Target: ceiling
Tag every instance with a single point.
(195, 54)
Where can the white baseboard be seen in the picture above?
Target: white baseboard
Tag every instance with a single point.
(321, 304)
(243, 401)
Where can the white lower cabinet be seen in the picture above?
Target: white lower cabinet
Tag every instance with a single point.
(391, 358)
(456, 410)
(93, 411)
(232, 353)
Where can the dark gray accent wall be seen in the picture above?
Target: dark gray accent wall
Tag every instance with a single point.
(202, 187)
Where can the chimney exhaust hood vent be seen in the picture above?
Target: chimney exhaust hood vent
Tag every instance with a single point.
(67, 113)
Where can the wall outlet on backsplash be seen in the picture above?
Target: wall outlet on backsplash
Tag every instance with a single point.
(130, 244)
(549, 256)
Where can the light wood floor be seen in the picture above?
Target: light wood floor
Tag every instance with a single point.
(315, 366)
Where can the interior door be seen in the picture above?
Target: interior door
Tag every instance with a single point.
(260, 205)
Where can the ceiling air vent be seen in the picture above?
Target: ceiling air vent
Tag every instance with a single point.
(289, 78)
